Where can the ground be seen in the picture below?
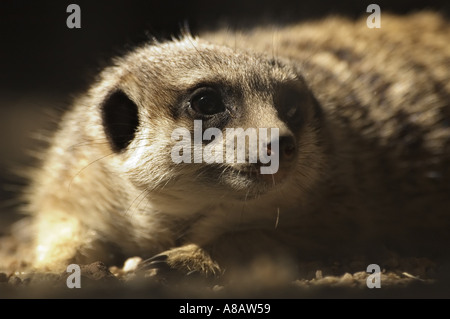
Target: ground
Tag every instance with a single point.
(315, 280)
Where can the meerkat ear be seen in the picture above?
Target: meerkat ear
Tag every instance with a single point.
(120, 120)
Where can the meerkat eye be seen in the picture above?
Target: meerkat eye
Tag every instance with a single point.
(207, 101)
(120, 120)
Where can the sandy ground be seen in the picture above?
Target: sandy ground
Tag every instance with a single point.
(344, 279)
(97, 281)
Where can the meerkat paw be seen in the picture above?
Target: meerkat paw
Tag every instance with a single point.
(189, 260)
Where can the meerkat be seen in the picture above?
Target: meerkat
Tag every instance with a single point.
(364, 150)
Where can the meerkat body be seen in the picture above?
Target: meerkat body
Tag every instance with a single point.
(363, 116)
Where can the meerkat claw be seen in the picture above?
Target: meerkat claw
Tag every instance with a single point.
(155, 262)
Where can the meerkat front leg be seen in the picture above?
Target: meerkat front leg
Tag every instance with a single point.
(62, 240)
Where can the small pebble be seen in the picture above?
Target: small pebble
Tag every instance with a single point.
(131, 264)
(347, 277)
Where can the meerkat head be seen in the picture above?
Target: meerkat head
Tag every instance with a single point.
(198, 122)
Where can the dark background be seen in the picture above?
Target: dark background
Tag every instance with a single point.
(43, 63)
(38, 51)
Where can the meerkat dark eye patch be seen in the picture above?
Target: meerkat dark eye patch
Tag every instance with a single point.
(291, 103)
(120, 120)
